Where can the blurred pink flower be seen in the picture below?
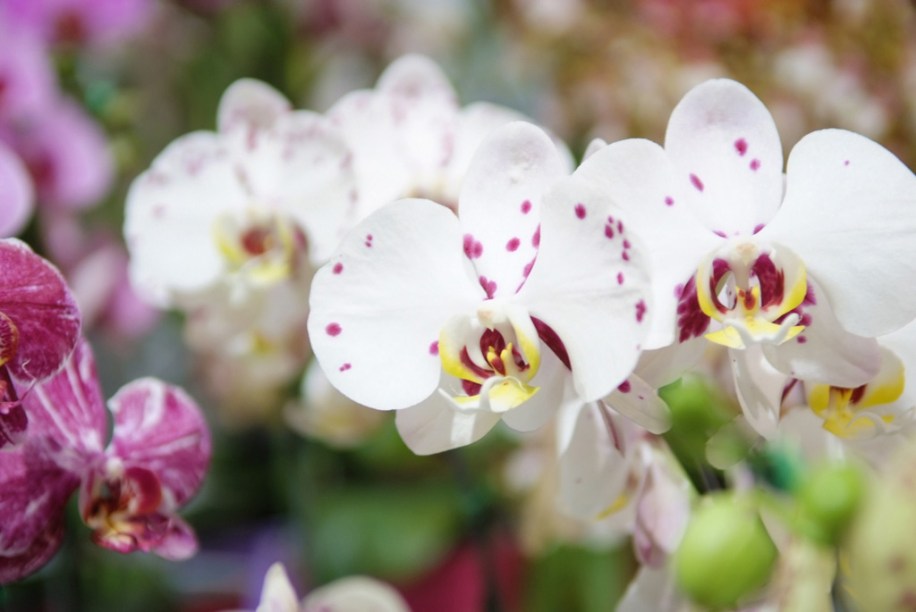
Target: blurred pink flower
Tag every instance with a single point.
(130, 489)
(17, 196)
(67, 155)
(80, 21)
(27, 81)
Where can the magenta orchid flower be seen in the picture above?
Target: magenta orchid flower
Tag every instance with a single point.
(446, 318)
(80, 22)
(129, 490)
(39, 326)
(795, 274)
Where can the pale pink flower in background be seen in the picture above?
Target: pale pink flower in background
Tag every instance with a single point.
(67, 155)
(27, 80)
(130, 488)
(79, 22)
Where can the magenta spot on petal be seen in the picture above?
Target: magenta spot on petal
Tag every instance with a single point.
(741, 146)
(580, 210)
(536, 239)
(720, 233)
(620, 226)
(333, 329)
(488, 285)
(609, 231)
(846, 163)
(758, 227)
(624, 387)
(472, 248)
(626, 256)
(801, 339)
(626, 244)
(620, 278)
(368, 242)
(679, 290)
(755, 164)
(696, 182)
(610, 219)
(528, 267)
(640, 311)
(512, 245)
(526, 207)
(434, 348)
(338, 268)
(345, 367)
(669, 201)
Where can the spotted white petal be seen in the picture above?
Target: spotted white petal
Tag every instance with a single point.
(377, 308)
(500, 204)
(728, 158)
(850, 214)
(590, 285)
(638, 178)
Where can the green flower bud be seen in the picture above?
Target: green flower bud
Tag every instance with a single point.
(827, 501)
(726, 553)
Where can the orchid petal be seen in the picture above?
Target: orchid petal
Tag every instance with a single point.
(663, 366)
(637, 178)
(474, 124)
(69, 423)
(436, 424)
(179, 541)
(593, 468)
(639, 402)
(250, 105)
(653, 588)
(303, 168)
(33, 516)
(35, 298)
(728, 156)
(423, 109)
(383, 175)
(591, 288)
(662, 514)
(378, 307)
(277, 594)
(157, 426)
(355, 593)
(177, 202)
(17, 197)
(824, 352)
(850, 214)
(759, 387)
(500, 203)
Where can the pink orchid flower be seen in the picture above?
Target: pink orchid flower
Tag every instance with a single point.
(39, 326)
(130, 489)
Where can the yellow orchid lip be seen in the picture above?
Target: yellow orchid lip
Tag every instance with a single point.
(754, 292)
(495, 354)
(262, 248)
(864, 410)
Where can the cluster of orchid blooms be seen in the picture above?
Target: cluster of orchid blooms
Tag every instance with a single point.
(454, 265)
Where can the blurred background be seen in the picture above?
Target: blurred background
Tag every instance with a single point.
(462, 531)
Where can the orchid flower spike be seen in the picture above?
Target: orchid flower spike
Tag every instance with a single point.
(446, 319)
(129, 490)
(795, 273)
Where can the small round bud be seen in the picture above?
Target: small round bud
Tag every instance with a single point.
(828, 499)
(726, 553)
